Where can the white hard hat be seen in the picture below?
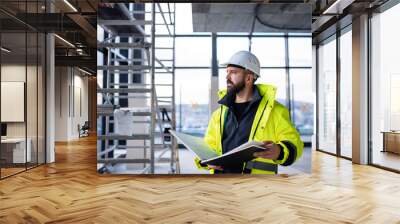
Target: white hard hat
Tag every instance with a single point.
(246, 60)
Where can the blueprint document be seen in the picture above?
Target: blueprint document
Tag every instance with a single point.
(208, 156)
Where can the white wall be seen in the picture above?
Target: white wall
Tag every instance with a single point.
(61, 103)
(71, 94)
(79, 117)
(12, 73)
(33, 126)
(17, 73)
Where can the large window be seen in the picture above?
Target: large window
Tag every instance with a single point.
(227, 46)
(192, 99)
(302, 101)
(270, 51)
(327, 96)
(329, 112)
(277, 78)
(301, 89)
(287, 70)
(300, 51)
(346, 94)
(385, 84)
(192, 83)
(195, 51)
(274, 72)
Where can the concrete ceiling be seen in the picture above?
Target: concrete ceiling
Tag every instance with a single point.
(76, 24)
(239, 17)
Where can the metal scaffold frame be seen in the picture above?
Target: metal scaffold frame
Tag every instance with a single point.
(156, 139)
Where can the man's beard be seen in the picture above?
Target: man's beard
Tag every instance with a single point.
(235, 88)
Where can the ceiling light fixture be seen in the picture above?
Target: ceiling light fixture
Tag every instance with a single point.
(79, 51)
(86, 72)
(70, 5)
(5, 50)
(337, 7)
(64, 40)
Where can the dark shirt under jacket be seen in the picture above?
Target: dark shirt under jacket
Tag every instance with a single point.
(238, 123)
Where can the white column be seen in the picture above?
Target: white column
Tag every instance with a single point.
(360, 90)
(50, 98)
(314, 89)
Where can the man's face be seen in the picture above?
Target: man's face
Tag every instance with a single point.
(235, 79)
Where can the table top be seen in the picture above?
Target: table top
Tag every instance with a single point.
(13, 140)
(391, 132)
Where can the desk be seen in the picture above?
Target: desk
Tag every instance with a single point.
(391, 141)
(13, 150)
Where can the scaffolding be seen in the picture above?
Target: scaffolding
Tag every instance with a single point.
(134, 135)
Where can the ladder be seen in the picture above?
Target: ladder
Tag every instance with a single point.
(151, 112)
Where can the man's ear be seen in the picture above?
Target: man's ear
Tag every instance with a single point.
(250, 78)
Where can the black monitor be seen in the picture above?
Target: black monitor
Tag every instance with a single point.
(3, 129)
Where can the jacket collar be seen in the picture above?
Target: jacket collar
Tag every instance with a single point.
(260, 91)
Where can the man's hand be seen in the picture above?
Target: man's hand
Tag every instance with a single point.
(271, 151)
(215, 167)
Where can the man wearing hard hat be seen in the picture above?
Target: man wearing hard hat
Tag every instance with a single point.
(249, 112)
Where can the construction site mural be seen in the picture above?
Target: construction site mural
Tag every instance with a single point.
(210, 88)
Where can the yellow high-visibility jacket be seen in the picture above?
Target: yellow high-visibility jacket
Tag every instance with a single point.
(273, 125)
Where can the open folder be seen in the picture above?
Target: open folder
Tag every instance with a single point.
(208, 156)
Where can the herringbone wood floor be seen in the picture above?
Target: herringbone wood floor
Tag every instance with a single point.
(70, 191)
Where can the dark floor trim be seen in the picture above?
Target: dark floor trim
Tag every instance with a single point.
(385, 168)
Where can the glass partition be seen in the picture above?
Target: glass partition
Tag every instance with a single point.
(22, 89)
(327, 96)
(385, 89)
(14, 153)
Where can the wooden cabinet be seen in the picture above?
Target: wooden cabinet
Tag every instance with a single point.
(391, 142)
